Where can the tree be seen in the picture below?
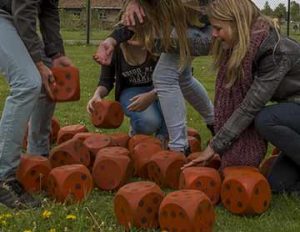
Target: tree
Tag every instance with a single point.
(295, 11)
(280, 11)
(267, 10)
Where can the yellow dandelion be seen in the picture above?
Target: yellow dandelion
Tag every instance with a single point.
(27, 231)
(46, 214)
(71, 217)
(52, 230)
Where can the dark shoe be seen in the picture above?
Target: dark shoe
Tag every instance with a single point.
(13, 195)
(187, 151)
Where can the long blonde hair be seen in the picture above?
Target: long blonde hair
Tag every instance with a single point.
(161, 17)
(240, 14)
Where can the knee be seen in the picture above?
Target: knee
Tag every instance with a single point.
(145, 126)
(262, 122)
(29, 86)
(276, 185)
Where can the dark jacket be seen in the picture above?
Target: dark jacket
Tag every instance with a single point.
(25, 14)
(276, 78)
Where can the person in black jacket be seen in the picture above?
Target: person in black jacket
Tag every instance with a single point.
(131, 72)
(25, 61)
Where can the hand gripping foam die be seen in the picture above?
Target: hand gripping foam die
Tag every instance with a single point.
(107, 114)
(67, 85)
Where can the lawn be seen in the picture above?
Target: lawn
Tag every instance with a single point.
(96, 213)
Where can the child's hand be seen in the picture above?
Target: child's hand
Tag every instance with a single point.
(141, 102)
(104, 52)
(90, 106)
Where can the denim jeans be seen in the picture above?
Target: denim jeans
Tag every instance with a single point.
(40, 125)
(24, 80)
(40, 120)
(150, 121)
(280, 125)
(173, 85)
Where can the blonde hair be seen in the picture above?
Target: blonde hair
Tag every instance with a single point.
(240, 14)
(161, 17)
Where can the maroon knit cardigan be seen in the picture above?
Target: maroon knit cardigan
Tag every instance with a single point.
(249, 148)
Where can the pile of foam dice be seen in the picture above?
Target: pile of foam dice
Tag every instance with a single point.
(80, 160)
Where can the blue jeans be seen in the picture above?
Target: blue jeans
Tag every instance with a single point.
(280, 125)
(40, 125)
(24, 80)
(173, 85)
(150, 121)
(40, 120)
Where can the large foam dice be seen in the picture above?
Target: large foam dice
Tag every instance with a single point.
(120, 139)
(137, 204)
(186, 210)
(236, 170)
(107, 114)
(55, 127)
(136, 139)
(72, 151)
(194, 133)
(141, 156)
(245, 192)
(32, 172)
(115, 151)
(70, 183)
(67, 85)
(111, 171)
(207, 180)
(67, 132)
(194, 144)
(83, 135)
(164, 168)
(96, 142)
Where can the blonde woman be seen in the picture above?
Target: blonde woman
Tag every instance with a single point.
(255, 65)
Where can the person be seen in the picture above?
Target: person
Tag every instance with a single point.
(46, 53)
(131, 71)
(255, 65)
(172, 76)
(22, 61)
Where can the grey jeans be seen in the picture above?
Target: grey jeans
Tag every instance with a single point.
(25, 85)
(173, 85)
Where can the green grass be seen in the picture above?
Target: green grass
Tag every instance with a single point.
(283, 214)
(81, 35)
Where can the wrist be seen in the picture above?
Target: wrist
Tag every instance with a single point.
(57, 55)
(112, 41)
(39, 64)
